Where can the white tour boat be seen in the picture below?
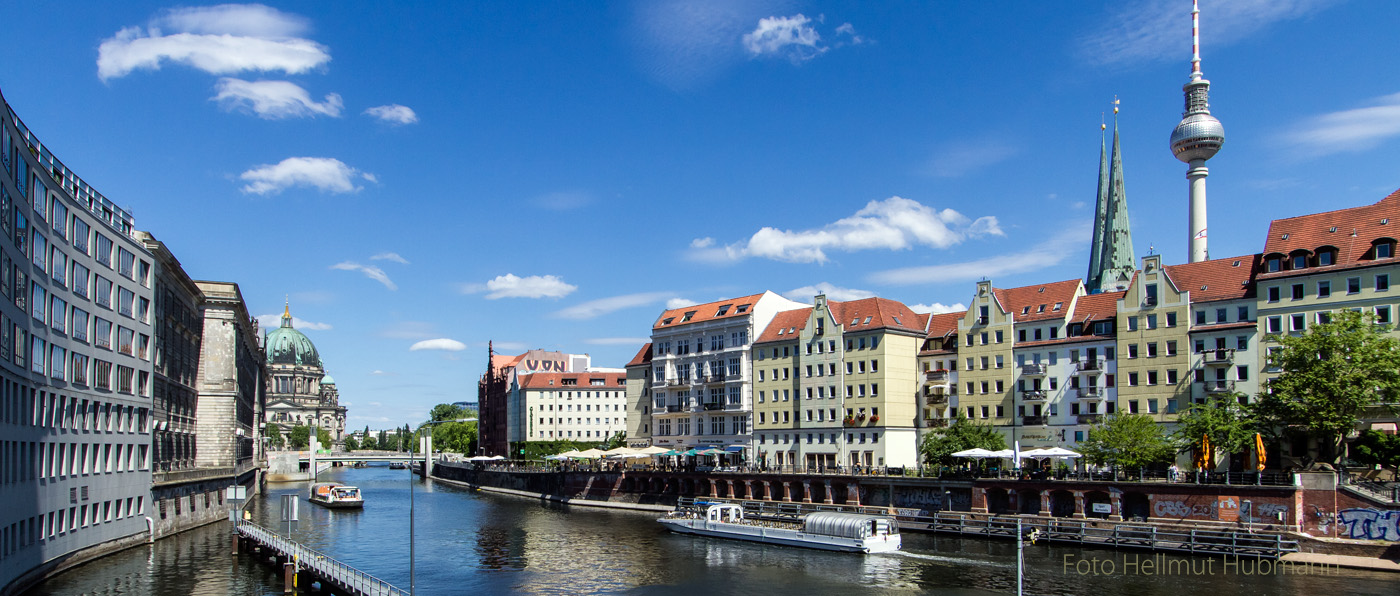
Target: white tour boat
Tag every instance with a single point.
(826, 530)
(336, 496)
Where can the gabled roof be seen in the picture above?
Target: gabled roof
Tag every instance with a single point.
(1097, 307)
(940, 325)
(875, 313)
(502, 362)
(924, 319)
(643, 356)
(611, 381)
(1217, 279)
(1351, 231)
(709, 311)
(786, 324)
(1024, 303)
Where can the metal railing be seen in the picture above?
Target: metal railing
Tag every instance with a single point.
(1033, 395)
(358, 582)
(1089, 365)
(1034, 369)
(1223, 356)
(1090, 392)
(936, 376)
(1219, 386)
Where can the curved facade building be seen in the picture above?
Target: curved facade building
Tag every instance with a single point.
(75, 365)
(299, 392)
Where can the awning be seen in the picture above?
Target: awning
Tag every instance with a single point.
(735, 448)
(1385, 427)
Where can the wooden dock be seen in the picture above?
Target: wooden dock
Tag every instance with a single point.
(305, 567)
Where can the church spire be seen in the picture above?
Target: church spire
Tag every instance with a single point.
(1117, 261)
(287, 313)
(1100, 215)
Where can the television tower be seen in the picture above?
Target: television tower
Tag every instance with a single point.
(1197, 138)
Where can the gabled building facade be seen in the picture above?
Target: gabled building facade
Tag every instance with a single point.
(1154, 361)
(639, 402)
(938, 365)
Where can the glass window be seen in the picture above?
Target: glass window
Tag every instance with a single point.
(1382, 282)
(79, 279)
(103, 252)
(59, 219)
(39, 300)
(41, 252)
(80, 235)
(59, 261)
(79, 326)
(102, 291)
(102, 333)
(59, 310)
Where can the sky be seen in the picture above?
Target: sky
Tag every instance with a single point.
(420, 179)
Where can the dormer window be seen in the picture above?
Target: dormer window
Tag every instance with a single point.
(1026, 310)
(688, 316)
(1274, 264)
(1326, 257)
(667, 320)
(723, 310)
(1299, 261)
(743, 308)
(1385, 249)
(1040, 309)
(1058, 305)
(866, 321)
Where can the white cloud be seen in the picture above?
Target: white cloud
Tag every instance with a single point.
(705, 242)
(394, 114)
(514, 286)
(370, 271)
(1152, 30)
(222, 39)
(892, 224)
(389, 256)
(617, 341)
(274, 321)
(1069, 241)
(786, 36)
(322, 173)
(850, 30)
(442, 343)
(680, 303)
(1350, 130)
(960, 158)
(938, 308)
(804, 294)
(273, 100)
(602, 306)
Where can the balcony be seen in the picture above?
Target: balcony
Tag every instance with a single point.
(713, 406)
(1219, 386)
(1034, 370)
(935, 398)
(1225, 357)
(1089, 418)
(936, 376)
(708, 379)
(1034, 395)
(1149, 301)
(734, 407)
(674, 408)
(1032, 420)
(1088, 366)
(676, 382)
(1091, 392)
(936, 422)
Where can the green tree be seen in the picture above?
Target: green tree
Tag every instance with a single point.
(323, 437)
(1229, 425)
(351, 444)
(299, 437)
(1332, 375)
(450, 412)
(1375, 447)
(939, 445)
(1127, 441)
(615, 441)
(369, 443)
(273, 432)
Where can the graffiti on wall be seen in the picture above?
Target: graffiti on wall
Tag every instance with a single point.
(1370, 524)
(932, 499)
(1183, 509)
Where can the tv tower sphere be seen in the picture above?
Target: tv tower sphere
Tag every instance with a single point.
(1198, 136)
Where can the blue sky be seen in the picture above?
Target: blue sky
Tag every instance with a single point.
(422, 178)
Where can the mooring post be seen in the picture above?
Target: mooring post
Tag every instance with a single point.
(289, 577)
(235, 544)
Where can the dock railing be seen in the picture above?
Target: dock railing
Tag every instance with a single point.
(325, 566)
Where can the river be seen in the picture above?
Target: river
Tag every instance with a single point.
(480, 543)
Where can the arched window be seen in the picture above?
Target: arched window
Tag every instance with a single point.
(1326, 256)
(1383, 248)
(1298, 259)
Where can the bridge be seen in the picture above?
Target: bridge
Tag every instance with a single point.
(303, 567)
(353, 456)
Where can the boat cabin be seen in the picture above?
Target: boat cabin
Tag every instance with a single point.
(849, 525)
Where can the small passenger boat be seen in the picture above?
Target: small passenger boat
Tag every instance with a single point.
(826, 530)
(336, 496)
(397, 465)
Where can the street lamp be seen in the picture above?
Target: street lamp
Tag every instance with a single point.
(426, 457)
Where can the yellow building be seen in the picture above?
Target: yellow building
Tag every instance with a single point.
(1154, 361)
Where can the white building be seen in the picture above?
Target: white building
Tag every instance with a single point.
(702, 371)
(586, 406)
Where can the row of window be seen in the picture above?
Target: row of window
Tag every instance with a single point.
(677, 427)
(1298, 322)
(15, 284)
(737, 339)
(41, 528)
(48, 206)
(829, 391)
(1379, 282)
(583, 407)
(583, 421)
(820, 438)
(1381, 248)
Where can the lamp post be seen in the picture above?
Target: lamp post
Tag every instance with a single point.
(428, 425)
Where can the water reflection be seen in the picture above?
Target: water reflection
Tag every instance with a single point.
(480, 543)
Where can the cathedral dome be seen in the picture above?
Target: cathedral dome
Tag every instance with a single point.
(286, 345)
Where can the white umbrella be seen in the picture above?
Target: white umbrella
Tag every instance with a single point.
(1059, 452)
(1036, 453)
(570, 453)
(1004, 454)
(619, 451)
(589, 454)
(556, 457)
(653, 450)
(496, 457)
(976, 452)
(1016, 456)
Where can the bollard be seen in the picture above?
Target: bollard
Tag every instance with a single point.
(289, 578)
(235, 544)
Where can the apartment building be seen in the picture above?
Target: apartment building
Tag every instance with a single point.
(1066, 377)
(1224, 338)
(638, 399)
(584, 406)
(701, 362)
(777, 393)
(1154, 361)
(938, 363)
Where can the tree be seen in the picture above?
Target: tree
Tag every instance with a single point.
(1127, 441)
(1230, 427)
(962, 434)
(450, 412)
(323, 438)
(299, 437)
(1375, 447)
(351, 444)
(456, 437)
(369, 443)
(1332, 375)
(273, 432)
(619, 439)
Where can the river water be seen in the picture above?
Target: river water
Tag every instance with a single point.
(480, 543)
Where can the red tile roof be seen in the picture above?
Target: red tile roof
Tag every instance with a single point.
(1217, 279)
(612, 381)
(707, 312)
(501, 362)
(942, 324)
(875, 313)
(643, 356)
(1350, 231)
(789, 322)
(1097, 307)
(1016, 300)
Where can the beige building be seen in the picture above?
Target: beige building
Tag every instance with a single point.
(1154, 361)
(639, 399)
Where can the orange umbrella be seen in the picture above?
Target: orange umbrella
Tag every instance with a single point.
(1205, 461)
(1259, 456)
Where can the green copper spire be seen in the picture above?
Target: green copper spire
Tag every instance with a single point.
(1117, 261)
(1100, 216)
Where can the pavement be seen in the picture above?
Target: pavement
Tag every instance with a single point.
(1348, 561)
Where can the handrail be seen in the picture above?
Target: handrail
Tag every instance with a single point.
(326, 566)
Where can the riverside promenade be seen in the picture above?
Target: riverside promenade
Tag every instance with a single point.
(1310, 510)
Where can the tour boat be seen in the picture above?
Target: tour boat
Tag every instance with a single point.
(336, 496)
(826, 530)
(397, 465)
